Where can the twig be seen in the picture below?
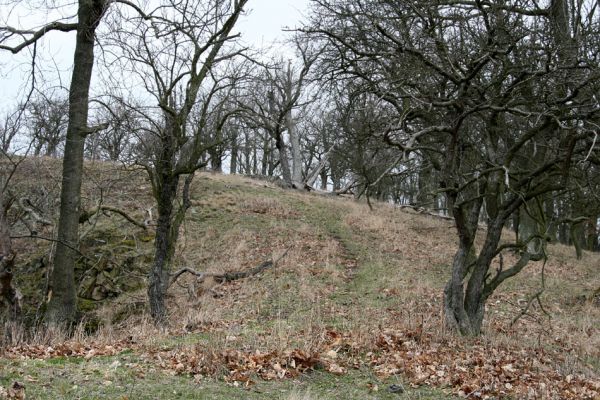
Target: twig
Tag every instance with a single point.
(86, 215)
(54, 241)
(536, 296)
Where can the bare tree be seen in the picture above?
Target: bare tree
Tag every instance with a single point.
(62, 306)
(271, 102)
(181, 51)
(47, 124)
(10, 128)
(116, 142)
(473, 86)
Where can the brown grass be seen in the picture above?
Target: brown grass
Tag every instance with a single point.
(347, 269)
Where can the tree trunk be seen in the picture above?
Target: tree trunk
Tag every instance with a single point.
(563, 233)
(216, 161)
(283, 160)
(456, 316)
(273, 163)
(266, 153)
(550, 217)
(592, 233)
(296, 154)
(336, 176)
(62, 307)
(254, 159)
(324, 179)
(464, 309)
(10, 296)
(164, 249)
(247, 150)
(234, 155)
(423, 185)
(578, 238)
(529, 226)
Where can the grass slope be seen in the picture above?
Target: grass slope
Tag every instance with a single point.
(358, 290)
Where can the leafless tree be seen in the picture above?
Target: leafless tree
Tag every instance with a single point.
(182, 52)
(278, 92)
(47, 124)
(62, 306)
(491, 96)
(117, 141)
(10, 128)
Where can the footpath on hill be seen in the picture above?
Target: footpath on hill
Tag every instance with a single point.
(353, 310)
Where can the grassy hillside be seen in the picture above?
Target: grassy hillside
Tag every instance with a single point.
(352, 307)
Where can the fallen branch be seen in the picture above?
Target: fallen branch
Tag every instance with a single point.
(227, 276)
(86, 215)
(27, 207)
(424, 211)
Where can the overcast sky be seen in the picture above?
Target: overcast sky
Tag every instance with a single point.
(260, 27)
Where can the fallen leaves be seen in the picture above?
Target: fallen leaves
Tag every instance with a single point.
(67, 349)
(239, 367)
(476, 370)
(16, 391)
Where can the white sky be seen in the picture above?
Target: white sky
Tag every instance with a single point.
(260, 27)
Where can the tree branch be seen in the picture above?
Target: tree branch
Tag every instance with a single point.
(87, 214)
(36, 35)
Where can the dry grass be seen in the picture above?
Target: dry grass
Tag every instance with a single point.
(408, 257)
(419, 250)
(347, 269)
(301, 396)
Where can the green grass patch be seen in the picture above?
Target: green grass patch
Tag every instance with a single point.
(126, 377)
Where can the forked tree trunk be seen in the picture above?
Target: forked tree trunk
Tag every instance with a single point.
(464, 308)
(455, 314)
(62, 307)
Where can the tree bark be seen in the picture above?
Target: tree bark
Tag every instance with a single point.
(592, 234)
(62, 307)
(234, 153)
(324, 179)
(578, 238)
(529, 226)
(10, 296)
(296, 154)
(166, 182)
(164, 249)
(283, 161)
